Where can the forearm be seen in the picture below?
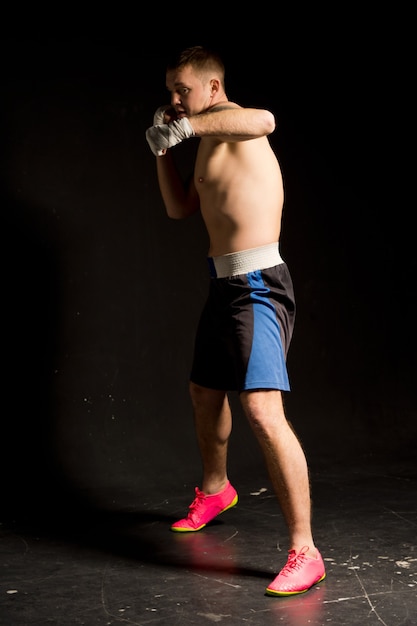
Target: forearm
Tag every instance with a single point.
(233, 124)
(178, 198)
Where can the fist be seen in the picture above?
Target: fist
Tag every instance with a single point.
(163, 115)
(164, 136)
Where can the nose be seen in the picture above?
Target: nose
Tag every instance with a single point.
(175, 99)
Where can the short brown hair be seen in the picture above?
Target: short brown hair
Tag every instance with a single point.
(201, 59)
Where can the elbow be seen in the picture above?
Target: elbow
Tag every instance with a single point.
(268, 122)
(173, 213)
(179, 212)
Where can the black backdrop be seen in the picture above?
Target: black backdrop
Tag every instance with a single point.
(101, 291)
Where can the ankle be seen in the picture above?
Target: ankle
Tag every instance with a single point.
(213, 488)
(308, 550)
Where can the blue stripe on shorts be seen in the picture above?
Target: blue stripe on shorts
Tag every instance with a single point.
(266, 367)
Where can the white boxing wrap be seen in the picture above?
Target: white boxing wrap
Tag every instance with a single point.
(159, 115)
(164, 136)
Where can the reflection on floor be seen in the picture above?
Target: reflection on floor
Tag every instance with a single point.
(120, 564)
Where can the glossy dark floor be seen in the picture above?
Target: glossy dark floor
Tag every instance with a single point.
(122, 565)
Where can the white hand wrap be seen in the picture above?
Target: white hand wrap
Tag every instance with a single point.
(159, 116)
(164, 136)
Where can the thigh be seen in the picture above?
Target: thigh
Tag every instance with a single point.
(213, 365)
(259, 331)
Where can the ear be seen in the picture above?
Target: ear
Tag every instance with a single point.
(214, 85)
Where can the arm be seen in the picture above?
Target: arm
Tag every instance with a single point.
(231, 123)
(228, 123)
(180, 199)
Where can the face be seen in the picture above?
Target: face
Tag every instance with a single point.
(190, 93)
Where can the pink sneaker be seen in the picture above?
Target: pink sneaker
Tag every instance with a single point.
(299, 574)
(204, 508)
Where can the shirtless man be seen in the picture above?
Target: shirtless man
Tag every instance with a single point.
(247, 322)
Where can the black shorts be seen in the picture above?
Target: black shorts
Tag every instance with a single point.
(245, 330)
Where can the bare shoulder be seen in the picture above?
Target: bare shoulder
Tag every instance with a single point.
(222, 106)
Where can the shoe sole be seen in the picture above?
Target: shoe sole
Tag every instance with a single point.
(272, 592)
(178, 529)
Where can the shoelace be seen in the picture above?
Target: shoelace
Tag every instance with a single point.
(196, 502)
(295, 561)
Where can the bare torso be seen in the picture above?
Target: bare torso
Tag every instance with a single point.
(241, 193)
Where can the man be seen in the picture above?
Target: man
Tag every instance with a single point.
(247, 322)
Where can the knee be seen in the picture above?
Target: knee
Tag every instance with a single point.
(264, 411)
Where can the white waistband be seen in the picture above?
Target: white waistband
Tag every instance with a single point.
(245, 261)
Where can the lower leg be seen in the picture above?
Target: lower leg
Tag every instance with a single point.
(289, 474)
(213, 425)
(286, 464)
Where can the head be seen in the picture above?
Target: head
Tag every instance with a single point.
(195, 80)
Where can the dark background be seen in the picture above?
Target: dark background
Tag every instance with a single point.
(101, 292)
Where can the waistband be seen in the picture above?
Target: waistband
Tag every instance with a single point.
(244, 261)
